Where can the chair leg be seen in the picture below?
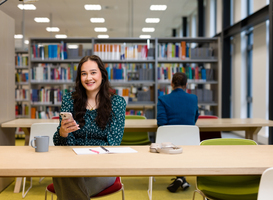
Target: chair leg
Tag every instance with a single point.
(122, 190)
(24, 185)
(150, 188)
(50, 194)
(41, 178)
(199, 192)
(46, 194)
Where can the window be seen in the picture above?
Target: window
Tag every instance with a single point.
(249, 54)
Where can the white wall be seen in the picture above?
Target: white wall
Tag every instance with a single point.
(258, 4)
(238, 84)
(260, 77)
(219, 16)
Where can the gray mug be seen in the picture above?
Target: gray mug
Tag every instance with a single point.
(41, 143)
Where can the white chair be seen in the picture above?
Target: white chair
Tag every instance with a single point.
(37, 129)
(178, 135)
(265, 188)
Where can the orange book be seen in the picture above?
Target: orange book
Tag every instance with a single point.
(33, 113)
(183, 50)
(125, 92)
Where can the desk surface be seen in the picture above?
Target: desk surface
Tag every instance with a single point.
(195, 160)
(152, 123)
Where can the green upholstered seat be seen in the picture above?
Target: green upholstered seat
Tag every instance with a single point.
(135, 138)
(229, 187)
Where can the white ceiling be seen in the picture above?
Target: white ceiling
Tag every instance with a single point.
(74, 21)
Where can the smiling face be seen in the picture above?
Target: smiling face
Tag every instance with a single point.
(91, 77)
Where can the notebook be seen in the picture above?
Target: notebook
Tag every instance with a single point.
(99, 150)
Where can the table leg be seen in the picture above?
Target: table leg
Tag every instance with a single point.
(18, 181)
(252, 133)
(27, 134)
(18, 184)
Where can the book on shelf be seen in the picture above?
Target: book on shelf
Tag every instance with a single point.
(48, 51)
(134, 112)
(47, 95)
(21, 60)
(135, 94)
(21, 94)
(203, 95)
(194, 73)
(48, 113)
(121, 51)
(50, 72)
(21, 109)
(21, 77)
(130, 71)
(183, 51)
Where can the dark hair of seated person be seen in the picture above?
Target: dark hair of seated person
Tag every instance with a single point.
(179, 80)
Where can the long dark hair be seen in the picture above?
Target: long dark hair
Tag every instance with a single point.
(103, 96)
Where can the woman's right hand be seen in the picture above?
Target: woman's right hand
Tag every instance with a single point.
(68, 126)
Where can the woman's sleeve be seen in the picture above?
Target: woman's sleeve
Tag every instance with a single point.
(115, 135)
(161, 113)
(67, 106)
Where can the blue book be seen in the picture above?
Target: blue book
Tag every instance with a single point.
(50, 51)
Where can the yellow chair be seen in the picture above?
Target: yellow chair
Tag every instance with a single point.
(135, 138)
(228, 187)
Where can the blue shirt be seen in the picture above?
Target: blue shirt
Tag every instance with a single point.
(90, 134)
(177, 108)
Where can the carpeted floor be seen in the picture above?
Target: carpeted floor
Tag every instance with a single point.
(135, 189)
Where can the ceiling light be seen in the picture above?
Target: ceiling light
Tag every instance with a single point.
(26, 42)
(144, 36)
(92, 7)
(103, 36)
(152, 20)
(148, 29)
(60, 36)
(52, 29)
(18, 36)
(26, 6)
(72, 46)
(97, 20)
(158, 7)
(41, 19)
(100, 29)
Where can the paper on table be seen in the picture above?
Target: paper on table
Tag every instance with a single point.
(98, 150)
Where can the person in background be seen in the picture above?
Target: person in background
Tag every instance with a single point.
(99, 118)
(177, 108)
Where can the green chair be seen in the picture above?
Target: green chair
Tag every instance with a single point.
(228, 187)
(135, 138)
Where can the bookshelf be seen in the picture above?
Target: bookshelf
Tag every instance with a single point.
(130, 63)
(199, 59)
(22, 106)
(53, 65)
(139, 69)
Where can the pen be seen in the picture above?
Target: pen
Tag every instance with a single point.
(104, 149)
(94, 151)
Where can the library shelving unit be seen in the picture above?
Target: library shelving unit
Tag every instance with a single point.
(22, 106)
(53, 65)
(130, 63)
(199, 58)
(139, 69)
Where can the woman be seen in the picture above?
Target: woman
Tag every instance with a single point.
(177, 108)
(99, 118)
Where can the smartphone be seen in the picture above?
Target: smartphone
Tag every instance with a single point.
(66, 115)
